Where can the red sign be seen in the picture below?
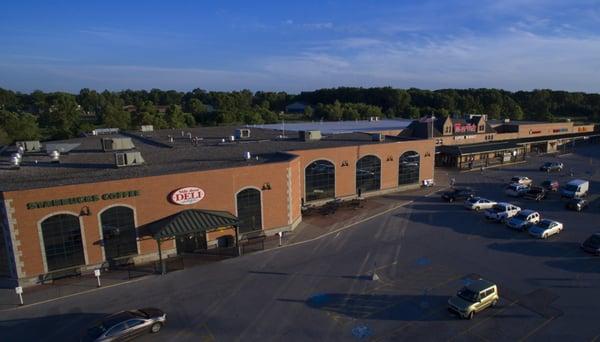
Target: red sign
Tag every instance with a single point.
(187, 196)
(458, 128)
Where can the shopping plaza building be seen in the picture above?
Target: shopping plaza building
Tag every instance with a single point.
(133, 197)
(75, 205)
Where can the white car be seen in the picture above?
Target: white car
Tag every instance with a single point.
(523, 219)
(545, 228)
(501, 212)
(521, 180)
(478, 203)
(516, 190)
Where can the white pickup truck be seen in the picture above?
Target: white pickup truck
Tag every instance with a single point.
(502, 212)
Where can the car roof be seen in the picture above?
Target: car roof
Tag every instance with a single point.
(503, 203)
(527, 212)
(117, 318)
(548, 221)
(480, 285)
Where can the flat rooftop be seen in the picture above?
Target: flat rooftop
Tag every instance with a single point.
(88, 163)
(337, 127)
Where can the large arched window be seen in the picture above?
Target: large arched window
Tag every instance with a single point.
(320, 180)
(118, 232)
(409, 168)
(249, 210)
(368, 174)
(62, 241)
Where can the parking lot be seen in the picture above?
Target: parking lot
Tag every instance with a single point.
(421, 255)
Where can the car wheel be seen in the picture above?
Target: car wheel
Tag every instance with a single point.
(155, 327)
(544, 236)
(494, 303)
(477, 208)
(451, 200)
(470, 315)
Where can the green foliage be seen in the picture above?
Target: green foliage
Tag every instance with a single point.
(115, 116)
(4, 138)
(175, 117)
(19, 126)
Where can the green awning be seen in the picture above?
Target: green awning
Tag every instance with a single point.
(189, 221)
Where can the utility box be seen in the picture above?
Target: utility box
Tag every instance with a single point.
(147, 128)
(117, 144)
(310, 135)
(30, 145)
(242, 133)
(128, 159)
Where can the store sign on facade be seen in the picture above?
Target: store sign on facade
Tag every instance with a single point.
(458, 128)
(187, 196)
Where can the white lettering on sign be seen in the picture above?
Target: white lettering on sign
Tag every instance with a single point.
(458, 128)
(187, 196)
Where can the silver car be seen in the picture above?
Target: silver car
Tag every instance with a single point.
(126, 325)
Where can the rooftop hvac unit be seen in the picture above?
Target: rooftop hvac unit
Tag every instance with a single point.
(147, 128)
(105, 131)
(247, 155)
(128, 159)
(117, 144)
(378, 137)
(55, 156)
(30, 145)
(374, 118)
(242, 133)
(310, 135)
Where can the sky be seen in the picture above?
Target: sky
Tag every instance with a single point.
(298, 46)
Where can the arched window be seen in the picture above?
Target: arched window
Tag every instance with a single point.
(409, 168)
(368, 174)
(62, 241)
(118, 232)
(249, 210)
(320, 180)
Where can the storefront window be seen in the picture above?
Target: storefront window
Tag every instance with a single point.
(320, 180)
(249, 210)
(118, 231)
(409, 168)
(62, 241)
(368, 174)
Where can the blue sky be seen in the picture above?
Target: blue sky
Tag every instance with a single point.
(300, 45)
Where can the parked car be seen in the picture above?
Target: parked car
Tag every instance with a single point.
(501, 212)
(521, 180)
(126, 325)
(550, 185)
(523, 220)
(457, 194)
(575, 188)
(577, 204)
(592, 244)
(552, 166)
(516, 190)
(536, 193)
(478, 203)
(545, 228)
(473, 298)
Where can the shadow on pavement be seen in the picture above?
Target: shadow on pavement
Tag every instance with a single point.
(578, 265)
(64, 327)
(537, 248)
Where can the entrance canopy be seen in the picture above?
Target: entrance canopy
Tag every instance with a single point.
(461, 150)
(189, 221)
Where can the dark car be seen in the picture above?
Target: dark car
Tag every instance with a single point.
(550, 185)
(536, 193)
(126, 325)
(552, 166)
(458, 194)
(592, 244)
(577, 204)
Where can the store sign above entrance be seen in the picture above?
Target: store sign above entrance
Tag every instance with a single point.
(458, 128)
(187, 196)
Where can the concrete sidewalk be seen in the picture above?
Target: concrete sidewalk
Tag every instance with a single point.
(312, 227)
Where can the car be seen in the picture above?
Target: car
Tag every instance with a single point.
(577, 204)
(545, 228)
(552, 166)
(521, 180)
(575, 188)
(458, 193)
(523, 219)
(478, 203)
(536, 193)
(501, 212)
(474, 297)
(550, 185)
(592, 244)
(516, 190)
(126, 325)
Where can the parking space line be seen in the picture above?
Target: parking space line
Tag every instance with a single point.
(536, 329)
(482, 321)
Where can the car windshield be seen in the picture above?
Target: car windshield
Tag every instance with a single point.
(96, 331)
(593, 240)
(515, 179)
(571, 187)
(521, 217)
(499, 208)
(140, 313)
(544, 224)
(473, 200)
(466, 294)
(548, 164)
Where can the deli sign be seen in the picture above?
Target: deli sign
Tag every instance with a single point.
(187, 196)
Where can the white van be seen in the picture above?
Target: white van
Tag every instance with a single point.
(575, 188)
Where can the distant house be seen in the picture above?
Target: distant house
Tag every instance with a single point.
(296, 107)
(130, 108)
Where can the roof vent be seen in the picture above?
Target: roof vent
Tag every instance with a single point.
(105, 131)
(378, 137)
(54, 156)
(128, 159)
(507, 120)
(242, 133)
(15, 162)
(147, 128)
(117, 144)
(30, 145)
(310, 135)
(247, 155)
(231, 138)
(374, 118)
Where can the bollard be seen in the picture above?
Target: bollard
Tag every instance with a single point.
(97, 274)
(280, 235)
(19, 291)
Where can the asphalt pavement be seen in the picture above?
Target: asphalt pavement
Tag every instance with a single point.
(324, 289)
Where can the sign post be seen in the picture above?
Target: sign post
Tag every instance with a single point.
(280, 235)
(19, 291)
(97, 274)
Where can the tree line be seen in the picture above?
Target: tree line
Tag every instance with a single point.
(60, 115)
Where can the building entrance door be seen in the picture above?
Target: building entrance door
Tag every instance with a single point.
(190, 243)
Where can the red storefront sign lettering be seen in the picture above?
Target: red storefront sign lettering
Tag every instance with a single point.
(187, 196)
(458, 128)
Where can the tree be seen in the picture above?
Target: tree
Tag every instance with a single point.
(19, 126)
(62, 117)
(4, 138)
(308, 112)
(115, 116)
(174, 117)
